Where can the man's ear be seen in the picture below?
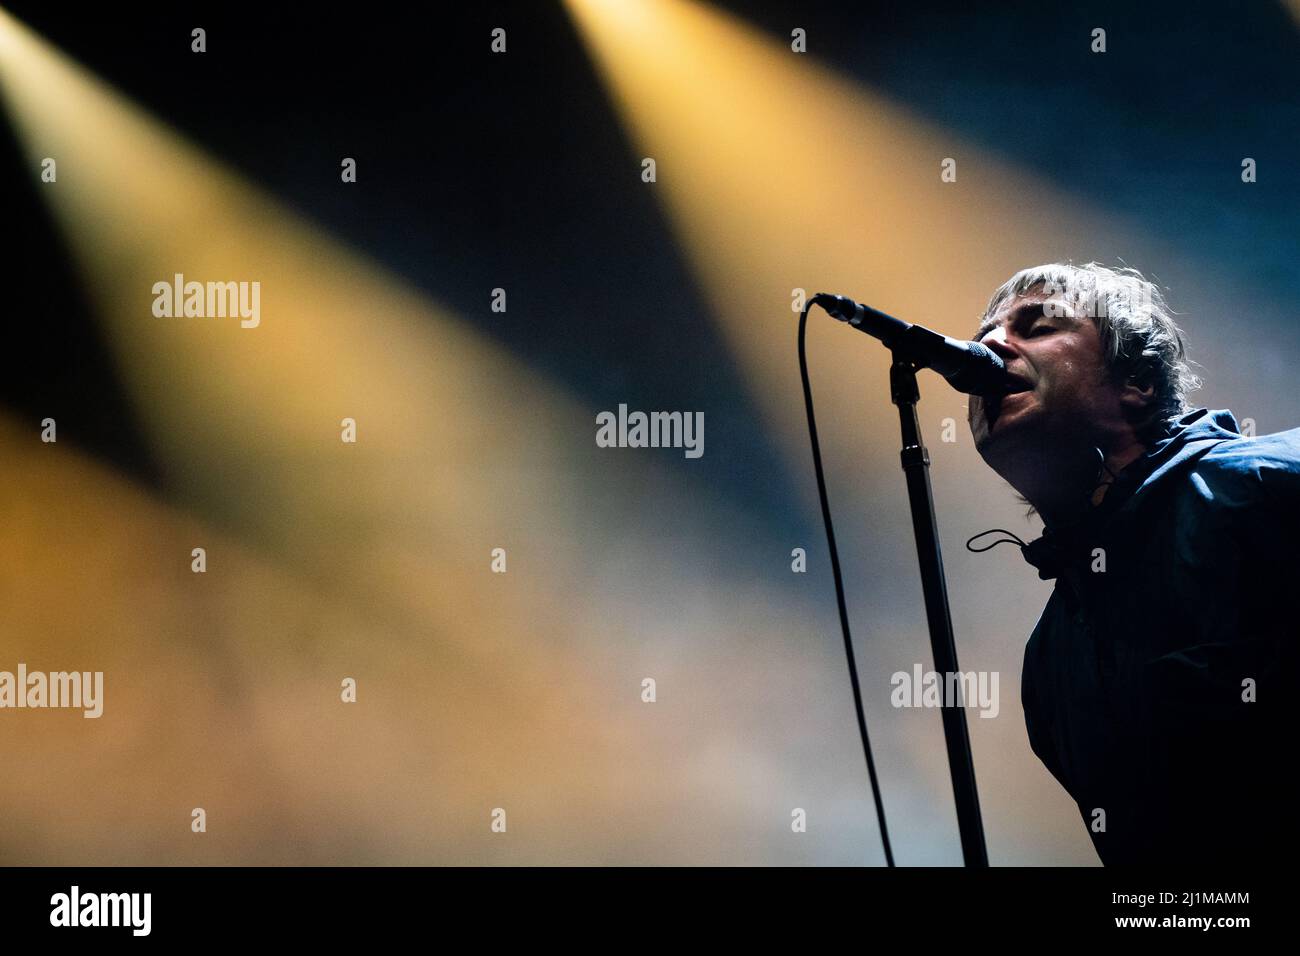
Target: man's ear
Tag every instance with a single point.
(1138, 393)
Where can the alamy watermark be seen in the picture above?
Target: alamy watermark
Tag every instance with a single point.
(651, 430)
(211, 300)
(953, 689)
(1080, 301)
(74, 908)
(71, 689)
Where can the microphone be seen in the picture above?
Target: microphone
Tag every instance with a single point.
(968, 366)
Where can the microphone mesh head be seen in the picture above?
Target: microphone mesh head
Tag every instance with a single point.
(986, 353)
(986, 376)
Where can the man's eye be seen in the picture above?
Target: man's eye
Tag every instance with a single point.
(1041, 330)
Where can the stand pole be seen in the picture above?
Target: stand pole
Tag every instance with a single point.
(916, 466)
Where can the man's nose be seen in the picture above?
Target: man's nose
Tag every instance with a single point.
(996, 340)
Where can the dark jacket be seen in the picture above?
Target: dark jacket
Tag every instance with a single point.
(1135, 676)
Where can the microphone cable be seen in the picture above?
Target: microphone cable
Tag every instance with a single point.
(839, 582)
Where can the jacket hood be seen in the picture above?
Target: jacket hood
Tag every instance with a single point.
(1186, 439)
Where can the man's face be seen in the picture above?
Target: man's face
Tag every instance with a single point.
(1058, 361)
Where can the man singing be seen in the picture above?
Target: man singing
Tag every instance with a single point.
(1157, 684)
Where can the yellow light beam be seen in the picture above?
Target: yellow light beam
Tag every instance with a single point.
(778, 173)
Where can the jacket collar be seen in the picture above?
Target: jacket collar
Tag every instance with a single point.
(1185, 439)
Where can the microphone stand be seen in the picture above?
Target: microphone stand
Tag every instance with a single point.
(916, 466)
